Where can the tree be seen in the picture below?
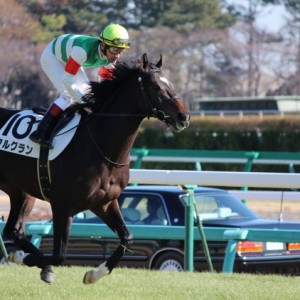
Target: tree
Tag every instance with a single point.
(186, 26)
(293, 7)
(257, 43)
(56, 17)
(49, 27)
(204, 53)
(92, 16)
(289, 72)
(19, 58)
(195, 14)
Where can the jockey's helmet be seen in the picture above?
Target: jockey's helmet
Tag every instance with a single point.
(115, 35)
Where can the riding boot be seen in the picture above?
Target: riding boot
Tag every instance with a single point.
(43, 132)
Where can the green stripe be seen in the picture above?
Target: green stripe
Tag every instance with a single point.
(53, 46)
(64, 47)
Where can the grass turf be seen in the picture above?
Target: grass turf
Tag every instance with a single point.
(19, 282)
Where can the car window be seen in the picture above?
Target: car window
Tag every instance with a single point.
(207, 204)
(143, 210)
(86, 216)
(137, 209)
(212, 206)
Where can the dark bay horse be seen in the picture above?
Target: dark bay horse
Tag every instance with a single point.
(94, 168)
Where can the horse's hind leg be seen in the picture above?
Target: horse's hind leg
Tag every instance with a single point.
(62, 220)
(21, 205)
(114, 220)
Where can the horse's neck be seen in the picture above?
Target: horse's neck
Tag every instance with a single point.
(116, 135)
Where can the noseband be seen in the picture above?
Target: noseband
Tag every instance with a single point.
(154, 112)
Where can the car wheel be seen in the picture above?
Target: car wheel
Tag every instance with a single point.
(170, 261)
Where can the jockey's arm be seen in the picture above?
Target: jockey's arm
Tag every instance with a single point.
(73, 64)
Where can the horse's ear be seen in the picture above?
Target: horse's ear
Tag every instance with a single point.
(145, 63)
(159, 63)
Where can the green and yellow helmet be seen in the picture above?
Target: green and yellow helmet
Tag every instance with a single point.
(115, 35)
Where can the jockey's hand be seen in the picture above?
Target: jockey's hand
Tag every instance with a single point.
(106, 73)
(84, 100)
(81, 100)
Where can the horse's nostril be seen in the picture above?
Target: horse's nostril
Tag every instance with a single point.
(184, 116)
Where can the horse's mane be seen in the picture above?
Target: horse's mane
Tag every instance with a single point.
(121, 73)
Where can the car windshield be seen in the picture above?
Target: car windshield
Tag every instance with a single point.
(214, 206)
(137, 208)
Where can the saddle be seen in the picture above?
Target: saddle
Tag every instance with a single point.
(66, 116)
(43, 160)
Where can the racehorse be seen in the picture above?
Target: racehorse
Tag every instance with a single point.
(93, 170)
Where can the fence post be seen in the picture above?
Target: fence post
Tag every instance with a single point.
(140, 153)
(189, 234)
(203, 238)
(250, 157)
(3, 249)
(198, 166)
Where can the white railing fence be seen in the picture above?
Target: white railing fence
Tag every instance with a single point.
(216, 178)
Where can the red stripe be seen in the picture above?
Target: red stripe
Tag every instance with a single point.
(72, 66)
(55, 110)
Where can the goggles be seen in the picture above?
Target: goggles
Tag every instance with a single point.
(120, 43)
(115, 50)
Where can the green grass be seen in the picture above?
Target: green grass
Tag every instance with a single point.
(18, 282)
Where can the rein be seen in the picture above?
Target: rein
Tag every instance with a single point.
(92, 114)
(154, 112)
(115, 164)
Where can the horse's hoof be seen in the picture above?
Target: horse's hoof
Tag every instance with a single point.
(88, 277)
(95, 275)
(47, 276)
(17, 257)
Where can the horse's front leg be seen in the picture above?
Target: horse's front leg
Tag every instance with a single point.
(114, 220)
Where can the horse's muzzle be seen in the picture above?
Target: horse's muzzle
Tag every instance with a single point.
(181, 122)
(184, 119)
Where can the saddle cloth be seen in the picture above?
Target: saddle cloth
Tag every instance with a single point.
(14, 135)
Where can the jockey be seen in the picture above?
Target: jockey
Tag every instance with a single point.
(63, 61)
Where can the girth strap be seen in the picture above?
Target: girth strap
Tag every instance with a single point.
(43, 172)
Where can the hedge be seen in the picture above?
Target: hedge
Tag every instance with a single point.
(282, 135)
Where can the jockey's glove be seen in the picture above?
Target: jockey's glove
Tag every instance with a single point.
(84, 99)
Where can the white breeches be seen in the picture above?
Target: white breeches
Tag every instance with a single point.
(54, 69)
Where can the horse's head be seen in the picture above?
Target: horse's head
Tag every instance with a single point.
(160, 96)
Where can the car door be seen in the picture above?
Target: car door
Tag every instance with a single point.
(134, 209)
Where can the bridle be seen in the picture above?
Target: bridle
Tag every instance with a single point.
(152, 112)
